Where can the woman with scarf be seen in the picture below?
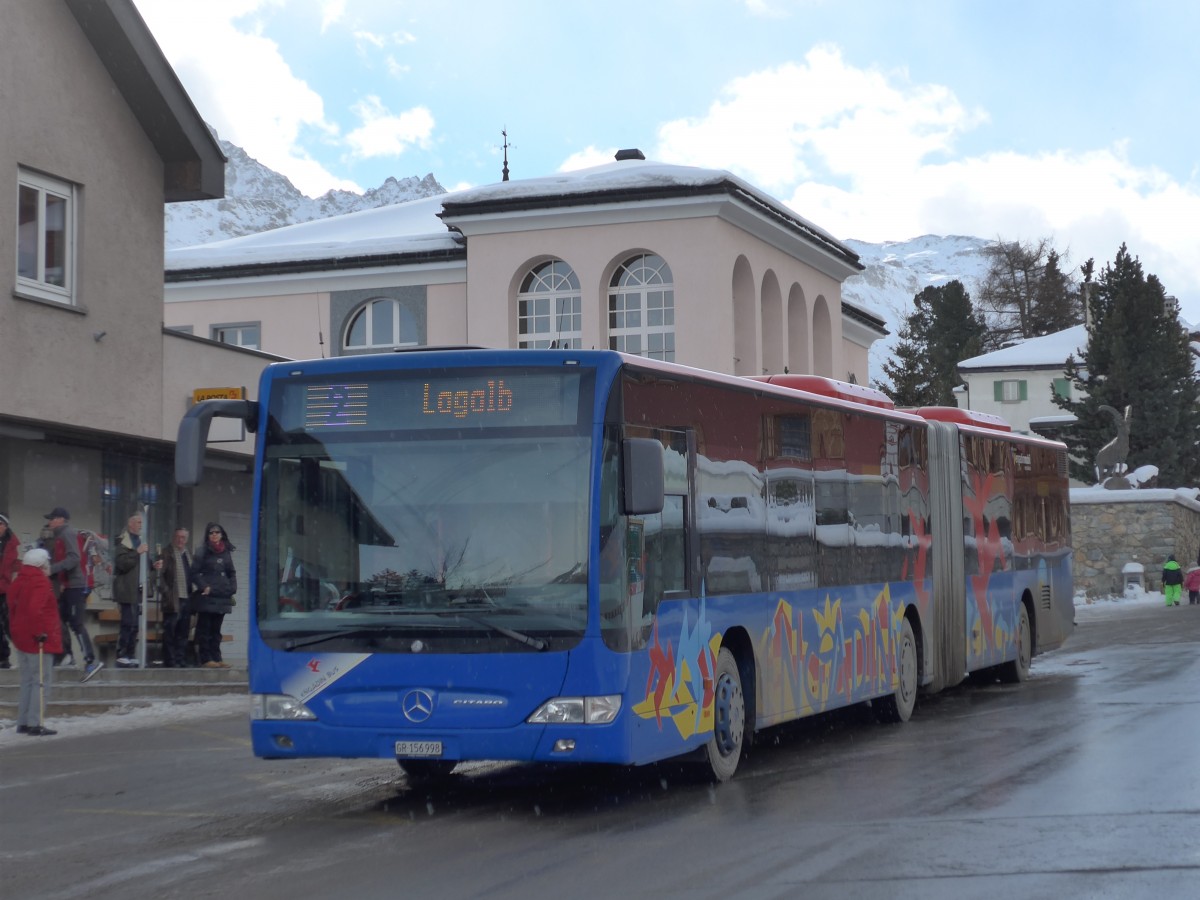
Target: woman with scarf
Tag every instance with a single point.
(216, 583)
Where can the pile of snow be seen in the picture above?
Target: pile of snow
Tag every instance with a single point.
(159, 714)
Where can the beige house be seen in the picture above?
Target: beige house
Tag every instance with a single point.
(96, 134)
(672, 262)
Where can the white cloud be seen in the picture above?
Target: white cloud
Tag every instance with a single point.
(386, 134)
(366, 37)
(820, 118)
(331, 13)
(253, 98)
(775, 9)
(586, 158)
(870, 155)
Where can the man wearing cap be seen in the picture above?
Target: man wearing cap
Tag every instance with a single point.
(66, 572)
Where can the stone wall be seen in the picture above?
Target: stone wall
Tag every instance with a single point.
(1112, 528)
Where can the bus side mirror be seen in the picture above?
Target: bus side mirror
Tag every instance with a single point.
(193, 434)
(642, 459)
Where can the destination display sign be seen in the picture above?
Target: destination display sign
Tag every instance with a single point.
(465, 398)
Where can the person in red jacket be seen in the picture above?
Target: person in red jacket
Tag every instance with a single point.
(1191, 583)
(9, 545)
(36, 632)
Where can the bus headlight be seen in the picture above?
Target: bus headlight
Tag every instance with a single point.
(278, 706)
(577, 711)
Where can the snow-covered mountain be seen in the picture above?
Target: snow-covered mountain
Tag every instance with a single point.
(259, 199)
(896, 271)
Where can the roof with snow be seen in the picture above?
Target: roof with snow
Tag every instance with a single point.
(419, 230)
(1050, 351)
(632, 180)
(401, 232)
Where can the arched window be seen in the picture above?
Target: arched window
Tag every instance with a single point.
(382, 324)
(550, 308)
(641, 308)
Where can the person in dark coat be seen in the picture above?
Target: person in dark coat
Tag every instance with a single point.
(127, 589)
(10, 564)
(36, 632)
(69, 578)
(216, 583)
(175, 586)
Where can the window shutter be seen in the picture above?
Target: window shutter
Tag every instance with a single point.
(998, 388)
(1024, 389)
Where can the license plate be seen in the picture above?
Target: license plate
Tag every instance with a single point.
(418, 748)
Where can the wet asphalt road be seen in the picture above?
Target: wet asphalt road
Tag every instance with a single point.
(1082, 783)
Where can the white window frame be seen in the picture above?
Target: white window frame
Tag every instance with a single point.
(641, 308)
(373, 341)
(236, 330)
(550, 308)
(36, 284)
(1010, 390)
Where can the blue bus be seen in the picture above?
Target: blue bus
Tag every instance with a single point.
(584, 556)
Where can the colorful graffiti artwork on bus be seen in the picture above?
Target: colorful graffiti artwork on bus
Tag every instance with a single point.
(850, 657)
(991, 627)
(809, 663)
(679, 685)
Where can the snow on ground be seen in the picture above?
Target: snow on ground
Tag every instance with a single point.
(168, 713)
(158, 714)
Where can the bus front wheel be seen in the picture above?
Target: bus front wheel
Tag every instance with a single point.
(898, 706)
(724, 749)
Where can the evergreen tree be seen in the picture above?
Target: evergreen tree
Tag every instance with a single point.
(941, 331)
(1026, 294)
(1138, 356)
(1057, 303)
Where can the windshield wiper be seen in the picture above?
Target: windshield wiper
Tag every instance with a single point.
(519, 637)
(294, 644)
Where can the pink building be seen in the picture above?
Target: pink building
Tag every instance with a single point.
(672, 262)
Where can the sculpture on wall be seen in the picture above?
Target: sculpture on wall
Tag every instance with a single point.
(1110, 459)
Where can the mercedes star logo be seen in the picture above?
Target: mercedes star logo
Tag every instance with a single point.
(417, 705)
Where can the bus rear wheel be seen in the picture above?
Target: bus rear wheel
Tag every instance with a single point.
(724, 749)
(898, 706)
(1018, 670)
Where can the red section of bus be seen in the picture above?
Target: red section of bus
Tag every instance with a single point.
(830, 387)
(962, 417)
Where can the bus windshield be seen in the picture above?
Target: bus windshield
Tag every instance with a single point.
(401, 534)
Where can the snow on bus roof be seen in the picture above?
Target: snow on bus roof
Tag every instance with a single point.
(830, 387)
(960, 416)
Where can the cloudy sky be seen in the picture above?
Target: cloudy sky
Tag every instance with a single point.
(1075, 120)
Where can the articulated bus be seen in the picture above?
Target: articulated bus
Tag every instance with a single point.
(583, 556)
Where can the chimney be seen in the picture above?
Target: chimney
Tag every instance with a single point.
(633, 153)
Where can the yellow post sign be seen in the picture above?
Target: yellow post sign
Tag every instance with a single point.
(218, 393)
